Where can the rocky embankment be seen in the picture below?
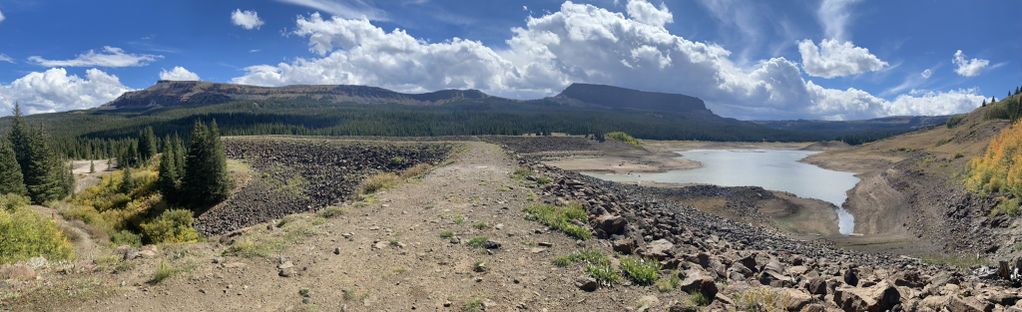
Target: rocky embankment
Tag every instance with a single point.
(302, 175)
(732, 262)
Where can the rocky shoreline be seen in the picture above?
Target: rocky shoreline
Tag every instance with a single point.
(723, 259)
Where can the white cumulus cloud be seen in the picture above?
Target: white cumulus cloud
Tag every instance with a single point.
(837, 59)
(108, 57)
(968, 67)
(178, 73)
(579, 43)
(643, 11)
(55, 90)
(246, 19)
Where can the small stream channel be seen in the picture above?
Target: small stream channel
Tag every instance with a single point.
(773, 169)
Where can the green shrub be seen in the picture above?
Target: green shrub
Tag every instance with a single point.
(172, 226)
(668, 284)
(163, 272)
(588, 256)
(25, 234)
(623, 137)
(378, 183)
(605, 274)
(478, 242)
(954, 121)
(124, 237)
(565, 219)
(10, 202)
(641, 271)
(332, 212)
(446, 234)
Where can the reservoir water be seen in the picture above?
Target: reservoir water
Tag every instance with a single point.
(772, 169)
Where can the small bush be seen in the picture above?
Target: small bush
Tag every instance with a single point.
(172, 226)
(415, 171)
(623, 137)
(668, 284)
(446, 234)
(332, 212)
(698, 299)
(378, 183)
(126, 238)
(481, 225)
(478, 242)
(9, 202)
(588, 256)
(25, 234)
(163, 272)
(565, 219)
(954, 121)
(641, 271)
(397, 161)
(761, 299)
(605, 274)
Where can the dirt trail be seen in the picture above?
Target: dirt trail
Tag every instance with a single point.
(395, 259)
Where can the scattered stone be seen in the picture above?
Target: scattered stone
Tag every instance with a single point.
(611, 224)
(659, 249)
(696, 280)
(337, 250)
(545, 244)
(587, 284)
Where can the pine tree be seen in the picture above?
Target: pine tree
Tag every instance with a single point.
(205, 181)
(92, 166)
(168, 176)
(127, 181)
(179, 156)
(11, 180)
(146, 145)
(42, 171)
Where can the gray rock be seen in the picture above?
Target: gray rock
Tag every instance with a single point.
(587, 284)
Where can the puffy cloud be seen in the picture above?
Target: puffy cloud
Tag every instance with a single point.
(578, 43)
(246, 19)
(968, 67)
(837, 59)
(108, 57)
(54, 90)
(645, 12)
(178, 73)
(927, 102)
(834, 16)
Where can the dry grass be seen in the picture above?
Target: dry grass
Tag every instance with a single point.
(378, 183)
(416, 171)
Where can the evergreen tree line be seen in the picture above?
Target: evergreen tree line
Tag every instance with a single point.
(30, 166)
(195, 178)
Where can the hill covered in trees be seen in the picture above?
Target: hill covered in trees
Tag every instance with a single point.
(173, 107)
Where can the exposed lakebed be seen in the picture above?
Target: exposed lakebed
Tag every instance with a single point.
(774, 169)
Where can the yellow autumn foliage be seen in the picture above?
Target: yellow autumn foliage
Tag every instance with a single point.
(1000, 168)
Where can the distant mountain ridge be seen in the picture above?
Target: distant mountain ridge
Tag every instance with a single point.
(581, 108)
(189, 93)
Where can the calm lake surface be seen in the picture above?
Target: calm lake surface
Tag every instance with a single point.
(771, 169)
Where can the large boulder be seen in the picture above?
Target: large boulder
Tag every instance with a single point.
(817, 286)
(698, 281)
(659, 249)
(880, 297)
(611, 224)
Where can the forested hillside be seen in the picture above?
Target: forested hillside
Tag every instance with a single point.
(171, 108)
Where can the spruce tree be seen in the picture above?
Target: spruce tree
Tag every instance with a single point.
(146, 144)
(127, 181)
(168, 176)
(205, 181)
(42, 171)
(92, 166)
(179, 156)
(11, 180)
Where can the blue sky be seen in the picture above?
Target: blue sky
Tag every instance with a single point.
(826, 59)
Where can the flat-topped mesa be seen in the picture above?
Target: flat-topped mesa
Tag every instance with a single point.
(166, 93)
(628, 99)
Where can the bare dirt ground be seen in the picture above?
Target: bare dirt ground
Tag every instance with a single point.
(388, 253)
(84, 177)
